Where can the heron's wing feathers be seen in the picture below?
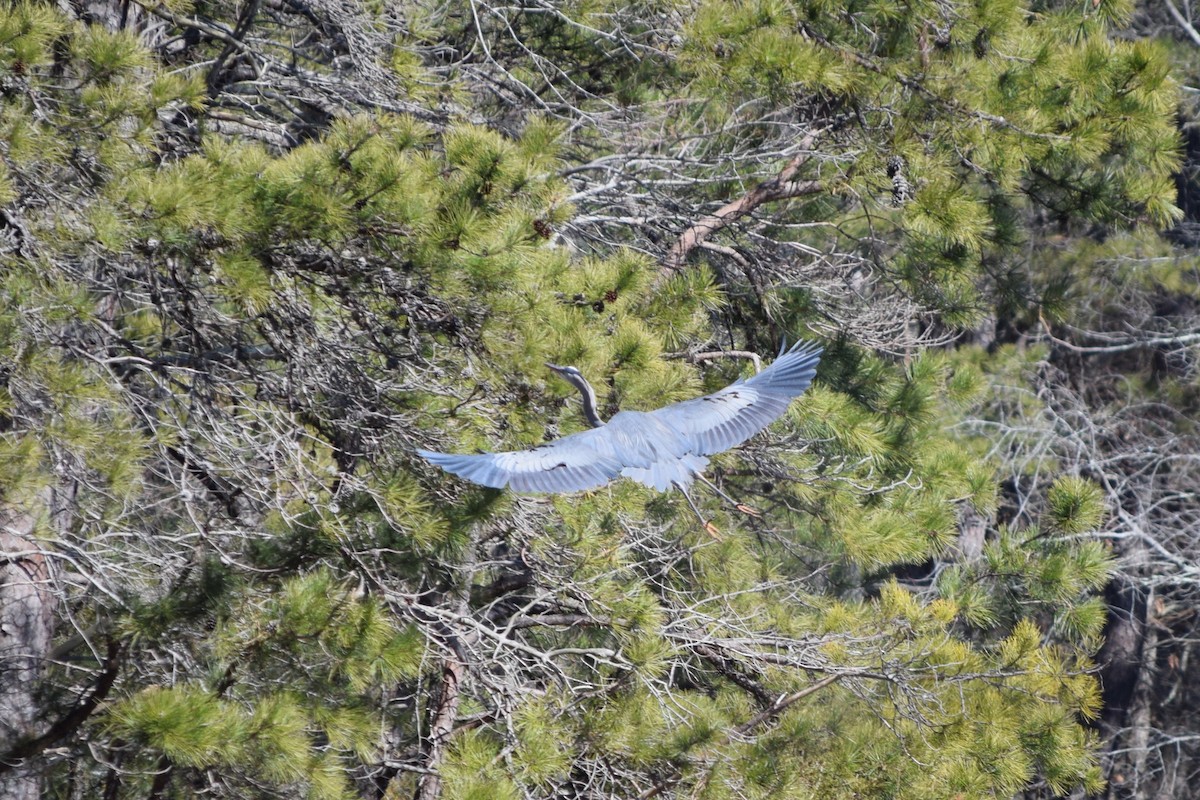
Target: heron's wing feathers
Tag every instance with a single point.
(724, 419)
(573, 463)
(659, 449)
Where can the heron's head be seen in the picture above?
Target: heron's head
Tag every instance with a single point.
(571, 375)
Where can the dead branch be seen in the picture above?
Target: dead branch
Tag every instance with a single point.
(695, 358)
(782, 187)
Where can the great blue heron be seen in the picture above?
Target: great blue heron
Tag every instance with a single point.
(660, 449)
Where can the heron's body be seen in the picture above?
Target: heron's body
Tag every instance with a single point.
(633, 443)
(660, 449)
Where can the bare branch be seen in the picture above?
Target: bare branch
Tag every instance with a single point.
(1192, 33)
(693, 358)
(782, 187)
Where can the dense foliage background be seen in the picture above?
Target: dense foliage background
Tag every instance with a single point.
(253, 254)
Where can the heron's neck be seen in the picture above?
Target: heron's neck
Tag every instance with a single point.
(589, 406)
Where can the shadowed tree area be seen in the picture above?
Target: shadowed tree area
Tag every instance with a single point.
(254, 255)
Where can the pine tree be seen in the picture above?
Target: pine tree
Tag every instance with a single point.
(226, 325)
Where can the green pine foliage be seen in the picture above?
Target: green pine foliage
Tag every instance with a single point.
(990, 107)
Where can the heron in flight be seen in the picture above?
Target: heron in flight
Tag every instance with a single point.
(660, 449)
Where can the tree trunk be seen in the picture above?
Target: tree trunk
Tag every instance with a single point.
(27, 607)
(430, 785)
(454, 671)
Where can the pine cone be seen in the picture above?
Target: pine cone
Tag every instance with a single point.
(901, 188)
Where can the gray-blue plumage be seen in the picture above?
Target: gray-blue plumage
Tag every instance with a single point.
(659, 449)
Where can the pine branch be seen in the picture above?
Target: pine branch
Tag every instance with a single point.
(733, 671)
(69, 723)
(776, 708)
(162, 777)
(782, 704)
(217, 32)
(237, 36)
(951, 105)
(711, 355)
(782, 187)
(1180, 341)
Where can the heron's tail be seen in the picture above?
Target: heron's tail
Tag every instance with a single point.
(668, 472)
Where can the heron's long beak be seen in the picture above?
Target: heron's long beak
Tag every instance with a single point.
(555, 367)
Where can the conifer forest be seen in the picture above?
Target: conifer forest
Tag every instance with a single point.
(256, 254)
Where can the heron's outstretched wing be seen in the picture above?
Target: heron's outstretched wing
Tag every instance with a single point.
(660, 449)
(723, 419)
(573, 463)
